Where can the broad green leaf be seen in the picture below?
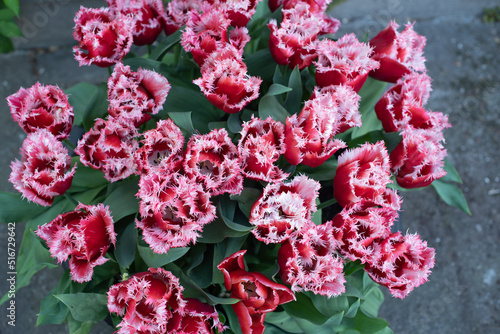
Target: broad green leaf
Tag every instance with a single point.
(279, 78)
(122, 201)
(88, 197)
(289, 324)
(261, 64)
(33, 256)
(226, 211)
(10, 29)
(391, 139)
(217, 231)
(370, 94)
(98, 108)
(84, 307)
(304, 308)
(52, 310)
(201, 264)
(86, 177)
(6, 14)
(353, 307)
(234, 123)
(372, 302)
(324, 172)
(277, 89)
(155, 260)
(269, 106)
(190, 99)
(13, 5)
(183, 120)
(6, 44)
(165, 45)
(217, 125)
(234, 323)
(125, 250)
(79, 327)
(451, 195)
(14, 209)
(192, 290)
(145, 63)
(452, 174)
(293, 102)
(81, 97)
(362, 323)
(370, 122)
(329, 306)
(246, 199)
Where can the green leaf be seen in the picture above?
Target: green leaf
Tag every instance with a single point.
(452, 174)
(145, 63)
(246, 199)
(370, 94)
(159, 260)
(98, 108)
(269, 106)
(86, 177)
(234, 123)
(33, 256)
(14, 209)
(190, 99)
(217, 231)
(125, 250)
(324, 172)
(6, 44)
(192, 290)
(261, 64)
(293, 102)
(372, 302)
(216, 125)
(353, 307)
(391, 140)
(79, 327)
(183, 120)
(277, 89)
(84, 307)
(122, 201)
(329, 306)
(362, 323)
(304, 308)
(165, 45)
(451, 195)
(6, 14)
(289, 324)
(81, 97)
(52, 310)
(234, 323)
(13, 5)
(10, 29)
(226, 211)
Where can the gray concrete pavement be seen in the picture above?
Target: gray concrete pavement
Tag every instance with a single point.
(463, 294)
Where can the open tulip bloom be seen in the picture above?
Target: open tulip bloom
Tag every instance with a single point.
(243, 172)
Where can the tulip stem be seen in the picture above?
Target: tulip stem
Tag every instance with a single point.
(327, 203)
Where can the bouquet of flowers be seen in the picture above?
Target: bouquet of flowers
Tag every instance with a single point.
(239, 174)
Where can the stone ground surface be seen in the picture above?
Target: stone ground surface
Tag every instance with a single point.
(463, 294)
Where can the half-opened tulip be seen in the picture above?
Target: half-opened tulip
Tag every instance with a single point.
(42, 107)
(103, 38)
(84, 236)
(44, 170)
(399, 54)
